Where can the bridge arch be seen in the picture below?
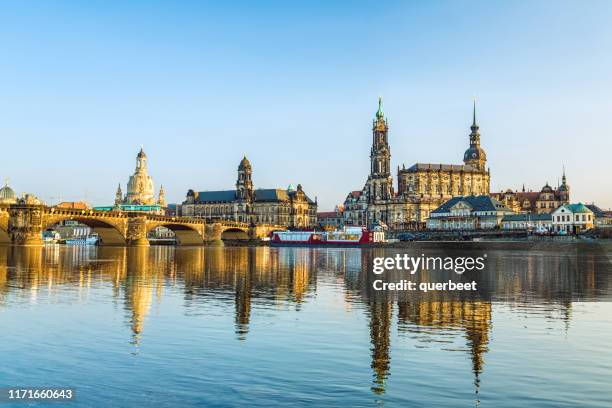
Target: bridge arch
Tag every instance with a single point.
(235, 234)
(109, 234)
(186, 234)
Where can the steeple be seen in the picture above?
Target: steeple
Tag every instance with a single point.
(118, 196)
(475, 135)
(161, 198)
(379, 112)
(564, 189)
(475, 155)
(563, 179)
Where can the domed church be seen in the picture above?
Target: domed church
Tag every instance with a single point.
(140, 191)
(7, 195)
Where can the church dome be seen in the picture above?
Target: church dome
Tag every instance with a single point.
(474, 153)
(546, 189)
(7, 195)
(244, 164)
(140, 189)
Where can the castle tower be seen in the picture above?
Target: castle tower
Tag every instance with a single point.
(244, 183)
(380, 181)
(475, 156)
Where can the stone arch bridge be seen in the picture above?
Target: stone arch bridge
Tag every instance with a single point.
(24, 224)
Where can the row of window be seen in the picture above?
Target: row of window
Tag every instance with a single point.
(577, 217)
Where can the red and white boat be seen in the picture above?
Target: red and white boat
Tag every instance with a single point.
(349, 236)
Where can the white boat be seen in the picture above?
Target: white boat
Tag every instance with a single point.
(88, 240)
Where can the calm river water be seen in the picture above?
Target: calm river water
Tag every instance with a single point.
(232, 326)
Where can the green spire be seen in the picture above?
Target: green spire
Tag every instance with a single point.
(474, 114)
(379, 112)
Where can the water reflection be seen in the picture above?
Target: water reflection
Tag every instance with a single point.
(241, 279)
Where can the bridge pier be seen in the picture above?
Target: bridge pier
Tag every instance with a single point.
(137, 232)
(25, 225)
(212, 234)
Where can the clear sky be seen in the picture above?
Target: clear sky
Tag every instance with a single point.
(295, 87)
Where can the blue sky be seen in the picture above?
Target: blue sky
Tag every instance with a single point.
(295, 87)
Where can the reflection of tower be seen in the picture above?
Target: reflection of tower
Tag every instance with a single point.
(243, 295)
(138, 289)
(380, 331)
(3, 272)
(473, 316)
(477, 323)
(300, 275)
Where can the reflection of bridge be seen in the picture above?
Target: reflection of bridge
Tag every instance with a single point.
(24, 224)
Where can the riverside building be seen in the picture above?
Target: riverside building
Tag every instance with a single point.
(289, 207)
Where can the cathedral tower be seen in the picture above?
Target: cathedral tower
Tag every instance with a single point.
(380, 181)
(475, 156)
(244, 183)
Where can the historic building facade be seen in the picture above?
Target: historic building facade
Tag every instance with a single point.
(289, 207)
(422, 187)
(544, 201)
(468, 213)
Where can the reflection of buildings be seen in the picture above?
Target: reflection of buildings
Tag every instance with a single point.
(239, 280)
(473, 316)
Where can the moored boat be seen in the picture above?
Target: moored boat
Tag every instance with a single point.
(86, 240)
(348, 236)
